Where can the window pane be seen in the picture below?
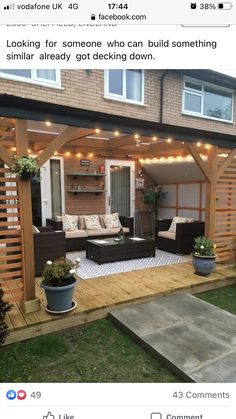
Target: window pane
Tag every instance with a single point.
(116, 82)
(134, 85)
(192, 103)
(55, 171)
(193, 86)
(217, 104)
(46, 74)
(19, 73)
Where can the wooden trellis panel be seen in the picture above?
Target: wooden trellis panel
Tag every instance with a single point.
(11, 257)
(225, 215)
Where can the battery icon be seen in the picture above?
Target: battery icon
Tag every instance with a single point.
(225, 5)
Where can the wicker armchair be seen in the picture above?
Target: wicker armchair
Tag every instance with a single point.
(184, 237)
(48, 245)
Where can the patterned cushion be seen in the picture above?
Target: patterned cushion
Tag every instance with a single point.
(102, 222)
(92, 222)
(176, 220)
(35, 229)
(58, 218)
(70, 222)
(112, 220)
(82, 225)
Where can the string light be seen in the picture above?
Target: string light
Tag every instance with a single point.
(207, 146)
(48, 123)
(29, 150)
(90, 155)
(199, 144)
(116, 133)
(97, 130)
(56, 153)
(154, 138)
(78, 154)
(169, 140)
(68, 153)
(13, 148)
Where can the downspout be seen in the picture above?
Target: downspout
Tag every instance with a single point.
(162, 94)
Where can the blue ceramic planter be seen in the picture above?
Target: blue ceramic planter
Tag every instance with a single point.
(59, 298)
(204, 265)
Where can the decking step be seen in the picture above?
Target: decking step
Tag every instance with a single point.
(194, 338)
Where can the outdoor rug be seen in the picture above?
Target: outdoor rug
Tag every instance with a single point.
(90, 269)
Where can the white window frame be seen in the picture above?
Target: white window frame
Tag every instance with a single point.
(200, 93)
(34, 79)
(122, 98)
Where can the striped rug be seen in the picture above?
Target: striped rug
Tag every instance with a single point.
(90, 269)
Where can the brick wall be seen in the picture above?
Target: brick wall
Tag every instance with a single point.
(81, 90)
(85, 91)
(91, 203)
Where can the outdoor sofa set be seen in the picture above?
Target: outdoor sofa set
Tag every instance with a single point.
(70, 233)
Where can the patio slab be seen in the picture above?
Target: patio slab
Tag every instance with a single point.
(194, 338)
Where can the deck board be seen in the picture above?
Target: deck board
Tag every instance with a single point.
(97, 296)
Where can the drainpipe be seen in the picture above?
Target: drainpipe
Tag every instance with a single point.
(162, 94)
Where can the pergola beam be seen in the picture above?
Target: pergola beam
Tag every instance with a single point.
(201, 164)
(211, 193)
(55, 145)
(5, 156)
(30, 303)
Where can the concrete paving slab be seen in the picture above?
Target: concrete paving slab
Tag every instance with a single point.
(193, 337)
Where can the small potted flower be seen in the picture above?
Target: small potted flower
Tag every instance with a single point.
(204, 256)
(58, 283)
(25, 167)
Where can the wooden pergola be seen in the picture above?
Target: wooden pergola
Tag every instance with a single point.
(219, 171)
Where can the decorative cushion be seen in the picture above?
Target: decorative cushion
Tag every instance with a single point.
(176, 220)
(102, 222)
(112, 220)
(82, 225)
(35, 229)
(166, 235)
(58, 218)
(70, 222)
(92, 222)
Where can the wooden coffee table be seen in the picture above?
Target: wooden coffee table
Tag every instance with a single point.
(113, 250)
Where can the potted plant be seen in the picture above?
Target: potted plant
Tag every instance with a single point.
(59, 282)
(203, 255)
(25, 167)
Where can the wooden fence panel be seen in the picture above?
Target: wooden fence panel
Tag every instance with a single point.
(11, 257)
(225, 216)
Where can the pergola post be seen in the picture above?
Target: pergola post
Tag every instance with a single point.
(211, 193)
(30, 302)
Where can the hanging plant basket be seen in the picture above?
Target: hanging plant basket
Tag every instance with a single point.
(25, 167)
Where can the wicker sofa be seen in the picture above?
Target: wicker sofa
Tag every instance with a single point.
(182, 240)
(76, 240)
(48, 245)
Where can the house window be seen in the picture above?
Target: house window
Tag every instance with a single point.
(125, 85)
(49, 78)
(209, 101)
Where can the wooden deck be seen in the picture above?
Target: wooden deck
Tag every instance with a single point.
(96, 297)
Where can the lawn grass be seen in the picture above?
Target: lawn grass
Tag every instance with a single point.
(224, 298)
(96, 352)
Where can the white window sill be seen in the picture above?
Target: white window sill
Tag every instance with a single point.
(129, 102)
(30, 81)
(207, 117)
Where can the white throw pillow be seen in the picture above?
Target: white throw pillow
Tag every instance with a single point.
(176, 220)
(70, 222)
(35, 229)
(92, 222)
(112, 220)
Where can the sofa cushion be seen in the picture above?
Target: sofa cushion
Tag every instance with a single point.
(35, 229)
(167, 235)
(112, 220)
(92, 222)
(76, 233)
(176, 220)
(98, 232)
(70, 222)
(58, 218)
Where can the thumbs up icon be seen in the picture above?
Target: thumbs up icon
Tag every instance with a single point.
(49, 416)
